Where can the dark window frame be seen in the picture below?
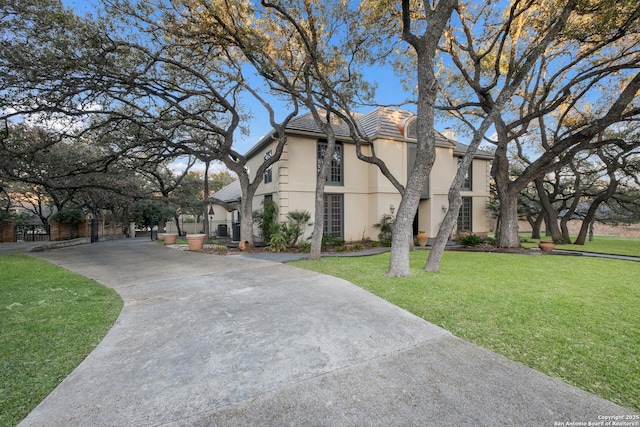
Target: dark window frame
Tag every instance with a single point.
(465, 214)
(467, 184)
(334, 215)
(336, 171)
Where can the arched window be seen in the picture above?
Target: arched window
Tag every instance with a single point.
(411, 128)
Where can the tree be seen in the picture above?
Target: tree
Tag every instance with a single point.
(137, 68)
(218, 180)
(586, 187)
(436, 17)
(592, 51)
(305, 50)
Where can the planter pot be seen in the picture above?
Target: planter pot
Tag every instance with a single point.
(422, 238)
(195, 241)
(244, 245)
(462, 234)
(546, 246)
(170, 238)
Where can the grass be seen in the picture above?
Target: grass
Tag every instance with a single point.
(600, 244)
(50, 320)
(573, 318)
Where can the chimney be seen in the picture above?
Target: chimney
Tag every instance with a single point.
(449, 133)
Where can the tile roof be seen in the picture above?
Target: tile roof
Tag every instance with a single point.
(382, 122)
(229, 193)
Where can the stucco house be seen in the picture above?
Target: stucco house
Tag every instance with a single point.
(357, 195)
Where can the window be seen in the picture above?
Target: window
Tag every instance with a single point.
(268, 174)
(464, 216)
(335, 175)
(411, 129)
(333, 215)
(467, 184)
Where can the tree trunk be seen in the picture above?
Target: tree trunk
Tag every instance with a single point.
(177, 220)
(207, 231)
(591, 213)
(551, 216)
(507, 231)
(321, 179)
(245, 208)
(318, 222)
(402, 238)
(455, 198)
(449, 221)
(564, 229)
(536, 226)
(426, 48)
(246, 219)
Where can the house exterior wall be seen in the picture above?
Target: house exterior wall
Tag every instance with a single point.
(367, 193)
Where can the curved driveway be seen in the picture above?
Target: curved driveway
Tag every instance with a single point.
(213, 340)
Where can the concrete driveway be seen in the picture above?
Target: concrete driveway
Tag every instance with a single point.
(213, 340)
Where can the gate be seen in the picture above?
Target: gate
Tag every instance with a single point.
(32, 233)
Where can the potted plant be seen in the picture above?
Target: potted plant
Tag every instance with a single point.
(421, 237)
(462, 234)
(170, 238)
(195, 241)
(546, 245)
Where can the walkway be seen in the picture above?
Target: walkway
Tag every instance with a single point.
(207, 340)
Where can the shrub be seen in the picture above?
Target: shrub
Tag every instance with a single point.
(386, 229)
(491, 241)
(471, 240)
(304, 246)
(298, 220)
(267, 220)
(357, 246)
(277, 243)
(69, 216)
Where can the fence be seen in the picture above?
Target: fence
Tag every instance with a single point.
(31, 233)
(216, 228)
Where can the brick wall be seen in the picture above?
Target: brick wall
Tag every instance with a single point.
(7, 231)
(59, 231)
(632, 230)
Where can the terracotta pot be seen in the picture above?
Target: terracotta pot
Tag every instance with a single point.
(546, 246)
(462, 234)
(244, 245)
(422, 238)
(195, 241)
(170, 238)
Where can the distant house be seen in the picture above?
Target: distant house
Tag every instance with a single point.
(357, 195)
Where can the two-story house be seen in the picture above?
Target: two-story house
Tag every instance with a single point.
(357, 195)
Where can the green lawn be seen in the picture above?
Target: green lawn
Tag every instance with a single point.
(574, 318)
(600, 244)
(50, 320)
